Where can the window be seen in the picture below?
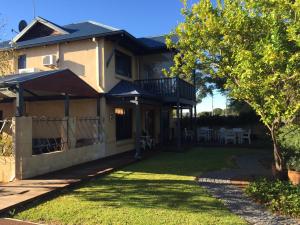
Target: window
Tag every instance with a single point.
(123, 123)
(123, 64)
(22, 62)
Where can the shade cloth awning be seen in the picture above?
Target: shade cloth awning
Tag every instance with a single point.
(53, 81)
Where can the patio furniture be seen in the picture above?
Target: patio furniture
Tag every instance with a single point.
(188, 134)
(246, 135)
(221, 135)
(230, 136)
(148, 142)
(204, 133)
(143, 143)
(238, 133)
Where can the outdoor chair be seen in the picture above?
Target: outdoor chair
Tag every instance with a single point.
(246, 136)
(203, 134)
(221, 135)
(143, 144)
(188, 134)
(230, 137)
(238, 133)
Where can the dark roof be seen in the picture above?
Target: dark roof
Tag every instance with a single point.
(54, 81)
(88, 29)
(129, 89)
(156, 42)
(20, 78)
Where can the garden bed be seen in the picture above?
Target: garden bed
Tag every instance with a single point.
(279, 196)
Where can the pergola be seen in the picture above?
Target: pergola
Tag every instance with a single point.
(45, 85)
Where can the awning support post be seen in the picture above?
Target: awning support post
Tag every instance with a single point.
(138, 128)
(19, 100)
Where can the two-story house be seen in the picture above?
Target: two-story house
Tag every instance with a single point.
(84, 91)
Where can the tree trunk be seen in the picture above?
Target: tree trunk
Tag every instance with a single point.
(278, 158)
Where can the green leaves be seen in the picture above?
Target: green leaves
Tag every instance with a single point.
(277, 195)
(253, 46)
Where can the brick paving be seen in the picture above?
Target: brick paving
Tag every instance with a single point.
(227, 185)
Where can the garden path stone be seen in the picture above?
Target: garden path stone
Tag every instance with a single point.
(220, 185)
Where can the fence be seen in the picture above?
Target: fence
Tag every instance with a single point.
(49, 134)
(57, 134)
(88, 131)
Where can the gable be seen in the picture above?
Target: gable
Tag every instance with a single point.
(38, 28)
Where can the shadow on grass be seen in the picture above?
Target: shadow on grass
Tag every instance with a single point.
(183, 195)
(164, 181)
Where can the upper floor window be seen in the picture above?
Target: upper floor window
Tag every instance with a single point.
(22, 62)
(123, 64)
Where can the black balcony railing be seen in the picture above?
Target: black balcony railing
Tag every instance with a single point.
(169, 87)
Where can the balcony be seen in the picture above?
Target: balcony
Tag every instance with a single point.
(171, 90)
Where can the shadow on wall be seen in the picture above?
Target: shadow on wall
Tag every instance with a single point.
(75, 67)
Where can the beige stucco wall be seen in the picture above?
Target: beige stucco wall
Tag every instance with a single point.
(78, 56)
(87, 59)
(111, 78)
(7, 169)
(78, 107)
(29, 165)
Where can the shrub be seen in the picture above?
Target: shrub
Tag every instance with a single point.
(279, 196)
(6, 145)
(293, 163)
(289, 141)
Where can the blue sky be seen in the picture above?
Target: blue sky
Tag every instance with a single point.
(139, 17)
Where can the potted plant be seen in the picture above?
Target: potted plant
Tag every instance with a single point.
(293, 165)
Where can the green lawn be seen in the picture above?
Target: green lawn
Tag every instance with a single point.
(160, 190)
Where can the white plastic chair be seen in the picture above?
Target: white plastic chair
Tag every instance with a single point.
(230, 137)
(188, 134)
(246, 136)
(221, 135)
(202, 134)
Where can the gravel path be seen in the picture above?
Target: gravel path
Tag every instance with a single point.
(220, 185)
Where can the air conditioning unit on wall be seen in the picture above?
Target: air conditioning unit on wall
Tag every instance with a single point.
(49, 60)
(29, 70)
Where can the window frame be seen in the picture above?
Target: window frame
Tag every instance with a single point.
(128, 58)
(24, 63)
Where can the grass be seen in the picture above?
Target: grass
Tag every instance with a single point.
(159, 190)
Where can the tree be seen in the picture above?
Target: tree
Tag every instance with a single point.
(6, 58)
(218, 112)
(254, 47)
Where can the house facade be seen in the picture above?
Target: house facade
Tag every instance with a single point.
(81, 92)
